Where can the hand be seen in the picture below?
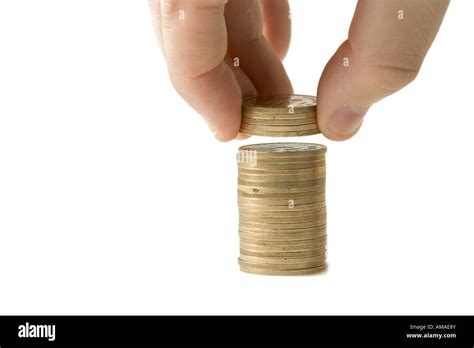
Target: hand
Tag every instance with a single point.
(201, 40)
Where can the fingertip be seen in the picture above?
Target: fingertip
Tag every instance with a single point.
(241, 136)
(223, 133)
(223, 137)
(344, 123)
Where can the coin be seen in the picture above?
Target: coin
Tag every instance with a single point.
(258, 166)
(260, 191)
(283, 266)
(280, 237)
(282, 102)
(248, 170)
(291, 121)
(309, 253)
(281, 260)
(256, 208)
(274, 172)
(285, 219)
(280, 128)
(279, 134)
(289, 213)
(316, 240)
(261, 116)
(310, 195)
(286, 149)
(275, 249)
(317, 222)
(256, 163)
(306, 271)
(280, 183)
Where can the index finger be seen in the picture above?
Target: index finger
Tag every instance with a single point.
(195, 45)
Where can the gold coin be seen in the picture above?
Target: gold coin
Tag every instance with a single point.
(277, 155)
(290, 250)
(272, 169)
(314, 242)
(281, 183)
(297, 148)
(259, 175)
(286, 228)
(257, 260)
(279, 134)
(260, 271)
(275, 198)
(318, 240)
(280, 218)
(280, 208)
(277, 238)
(283, 168)
(282, 235)
(293, 229)
(286, 148)
(280, 190)
(309, 253)
(252, 160)
(290, 166)
(281, 172)
(265, 203)
(255, 193)
(269, 127)
(271, 207)
(315, 173)
(289, 213)
(290, 121)
(283, 219)
(283, 266)
(267, 178)
(250, 238)
(278, 254)
(266, 224)
(282, 260)
(297, 102)
(282, 249)
(249, 192)
(245, 206)
(271, 117)
(293, 237)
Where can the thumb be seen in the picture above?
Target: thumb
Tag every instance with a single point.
(387, 43)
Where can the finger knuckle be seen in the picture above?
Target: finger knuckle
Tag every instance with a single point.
(395, 70)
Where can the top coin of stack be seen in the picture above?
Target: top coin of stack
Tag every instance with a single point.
(279, 116)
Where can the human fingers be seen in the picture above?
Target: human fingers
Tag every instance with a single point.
(249, 47)
(195, 46)
(387, 43)
(277, 24)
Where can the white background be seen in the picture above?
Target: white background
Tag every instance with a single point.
(116, 199)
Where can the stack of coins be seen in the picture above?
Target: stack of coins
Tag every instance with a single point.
(279, 116)
(282, 209)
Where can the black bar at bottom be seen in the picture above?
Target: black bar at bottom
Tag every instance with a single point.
(310, 330)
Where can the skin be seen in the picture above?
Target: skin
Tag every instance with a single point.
(200, 39)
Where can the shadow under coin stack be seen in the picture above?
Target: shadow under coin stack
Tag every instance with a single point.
(282, 209)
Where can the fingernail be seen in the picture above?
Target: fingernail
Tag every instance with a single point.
(346, 120)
